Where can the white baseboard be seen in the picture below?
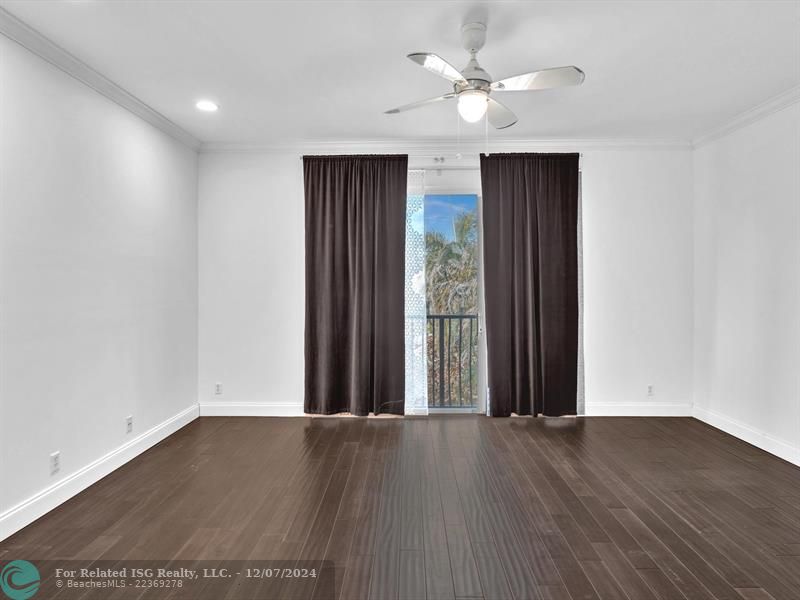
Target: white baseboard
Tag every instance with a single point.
(638, 409)
(27, 511)
(756, 437)
(251, 409)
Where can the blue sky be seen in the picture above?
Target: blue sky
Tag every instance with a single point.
(442, 209)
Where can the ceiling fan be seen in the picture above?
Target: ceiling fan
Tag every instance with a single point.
(473, 86)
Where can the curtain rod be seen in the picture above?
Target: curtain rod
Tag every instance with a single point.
(462, 168)
(302, 156)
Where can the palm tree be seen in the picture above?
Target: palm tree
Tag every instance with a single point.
(451, 283)
(451, 268)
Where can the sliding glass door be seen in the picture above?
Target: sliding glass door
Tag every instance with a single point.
(445, 346)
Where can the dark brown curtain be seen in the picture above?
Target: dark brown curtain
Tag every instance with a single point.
(530, 228)
(355, 263)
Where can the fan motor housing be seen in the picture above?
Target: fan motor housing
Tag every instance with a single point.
(475, 75)
(472, 84)
(473, 36)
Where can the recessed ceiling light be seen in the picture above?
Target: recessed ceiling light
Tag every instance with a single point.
(207, 106)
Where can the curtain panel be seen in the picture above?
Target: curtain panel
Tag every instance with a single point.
(355, 218)
(530, 227)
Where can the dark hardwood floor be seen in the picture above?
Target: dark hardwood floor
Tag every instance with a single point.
(454, 507)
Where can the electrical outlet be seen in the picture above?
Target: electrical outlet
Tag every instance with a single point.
(651, 390)
(218, 389)
(129, 424)
(55, 462)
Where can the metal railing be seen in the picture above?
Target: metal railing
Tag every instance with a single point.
(452, 345)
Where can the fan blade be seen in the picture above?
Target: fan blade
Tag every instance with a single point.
(499, 115)
(406, 107)
(436, 64)
(541, 80)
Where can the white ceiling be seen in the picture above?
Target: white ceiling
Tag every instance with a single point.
(289, 71)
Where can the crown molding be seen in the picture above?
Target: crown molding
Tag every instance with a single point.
(434, 147)
(32, 40)
(771, 106)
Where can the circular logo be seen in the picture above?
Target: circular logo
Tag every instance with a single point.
(19, 580)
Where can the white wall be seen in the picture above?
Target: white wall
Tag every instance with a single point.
(98, 280)
(252, 283)
(747, 283)
(637, 275)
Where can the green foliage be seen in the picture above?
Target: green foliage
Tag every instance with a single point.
(451, 284)
(451, 268)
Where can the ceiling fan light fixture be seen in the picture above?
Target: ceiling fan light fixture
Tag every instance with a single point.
(472, 105)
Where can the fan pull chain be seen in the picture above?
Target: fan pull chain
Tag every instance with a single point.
(486, 131)
(458, 135)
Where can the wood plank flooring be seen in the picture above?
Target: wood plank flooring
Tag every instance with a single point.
(451, 507)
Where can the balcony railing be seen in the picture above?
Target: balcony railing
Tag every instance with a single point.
(452, 343)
